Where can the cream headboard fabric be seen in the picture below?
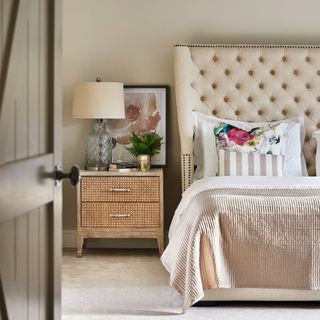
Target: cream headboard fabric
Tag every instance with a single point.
(250, 83)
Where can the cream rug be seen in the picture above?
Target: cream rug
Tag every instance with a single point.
(121, 284)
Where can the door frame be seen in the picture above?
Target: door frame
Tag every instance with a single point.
(57, 146)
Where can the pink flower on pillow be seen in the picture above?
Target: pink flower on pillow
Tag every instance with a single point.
(239, 136)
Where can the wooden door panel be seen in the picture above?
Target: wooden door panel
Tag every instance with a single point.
(13, 51)
(35, 187)
(5, 18)
(30, 146)
(25, 89)
(24, 240)
(5, 7)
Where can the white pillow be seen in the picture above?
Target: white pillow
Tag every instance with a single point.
(232, 163)
(205, 152)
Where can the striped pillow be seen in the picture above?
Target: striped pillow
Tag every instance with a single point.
(232, 163)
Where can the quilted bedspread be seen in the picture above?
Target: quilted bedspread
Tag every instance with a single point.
(264, 233)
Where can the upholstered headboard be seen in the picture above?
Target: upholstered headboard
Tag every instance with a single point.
(250, 83)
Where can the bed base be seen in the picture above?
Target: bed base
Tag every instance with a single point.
(214, 294)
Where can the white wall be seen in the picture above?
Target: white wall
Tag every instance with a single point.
(132, 41)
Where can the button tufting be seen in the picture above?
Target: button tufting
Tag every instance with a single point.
(284, 112)
(226, 99)
(318, 99)
(238, 86)
(202, 72)
(318, 125)
(214, 112)
(308, 59)
(260, 112)
(284, 86)
(261, 59)
(307, 113)
(214, 85)
(296, 99)
(272, 99)
(284, 58)
(318, 72)
(272, 72)
(202, 98)
(295, 72)
(308, 86)
(238, 58)
(250, 99)
(237, 112)
(215, 59)
(250, 72)
(261, 85)
(227, 72)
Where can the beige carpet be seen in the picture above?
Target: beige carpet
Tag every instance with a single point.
(127, 284)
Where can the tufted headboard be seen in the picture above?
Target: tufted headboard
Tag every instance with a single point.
(249, 83)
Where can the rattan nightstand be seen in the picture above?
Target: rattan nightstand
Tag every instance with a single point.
(120, 205)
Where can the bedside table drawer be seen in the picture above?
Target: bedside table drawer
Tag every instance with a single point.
(114, 189)
(120, 215)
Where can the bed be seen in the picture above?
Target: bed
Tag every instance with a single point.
(253, 83)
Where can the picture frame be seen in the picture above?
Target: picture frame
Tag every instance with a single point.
(146, 111)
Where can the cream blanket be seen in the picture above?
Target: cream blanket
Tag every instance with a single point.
(264, 233)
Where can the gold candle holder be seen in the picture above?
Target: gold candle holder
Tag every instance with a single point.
(144, 161)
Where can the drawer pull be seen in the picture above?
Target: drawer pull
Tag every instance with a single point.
(119, 190)
(120, 215)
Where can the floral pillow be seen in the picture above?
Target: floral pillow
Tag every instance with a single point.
(206, 148)
(268, 139)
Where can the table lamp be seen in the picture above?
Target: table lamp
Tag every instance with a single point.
(98, 100)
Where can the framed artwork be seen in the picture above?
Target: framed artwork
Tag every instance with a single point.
(145, 109)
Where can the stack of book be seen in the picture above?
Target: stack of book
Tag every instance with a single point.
(124, 166)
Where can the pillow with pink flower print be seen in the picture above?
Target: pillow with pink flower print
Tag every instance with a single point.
(269, 139)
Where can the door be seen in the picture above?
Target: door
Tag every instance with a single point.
(30, 146)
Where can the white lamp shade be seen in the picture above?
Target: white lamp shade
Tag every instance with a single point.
(98, 100)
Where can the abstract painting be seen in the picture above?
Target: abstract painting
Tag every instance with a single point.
(145, 110)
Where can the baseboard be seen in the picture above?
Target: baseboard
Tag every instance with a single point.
(69, 238)
(70, 241)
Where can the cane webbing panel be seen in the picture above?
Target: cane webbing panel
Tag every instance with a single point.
(120, 215)
(114, 189)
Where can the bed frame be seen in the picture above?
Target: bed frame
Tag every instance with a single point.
(250, 83)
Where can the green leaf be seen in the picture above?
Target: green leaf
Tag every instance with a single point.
(148, 143)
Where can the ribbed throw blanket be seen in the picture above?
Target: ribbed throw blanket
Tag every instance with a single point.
(261, 237)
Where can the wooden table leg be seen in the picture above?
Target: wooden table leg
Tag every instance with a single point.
(79, 245)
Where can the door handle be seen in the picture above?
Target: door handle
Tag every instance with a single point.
(73, 175)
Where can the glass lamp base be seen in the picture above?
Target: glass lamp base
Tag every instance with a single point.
(99, 148)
